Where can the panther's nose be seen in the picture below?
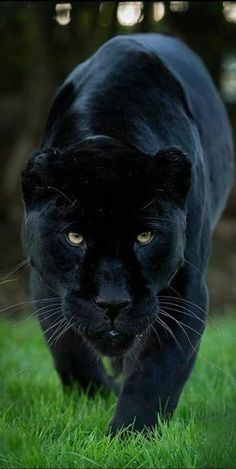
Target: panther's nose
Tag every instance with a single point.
(113, 306)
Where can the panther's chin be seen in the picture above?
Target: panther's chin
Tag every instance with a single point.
(111, 343)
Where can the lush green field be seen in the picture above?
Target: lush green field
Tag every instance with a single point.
(41, 427)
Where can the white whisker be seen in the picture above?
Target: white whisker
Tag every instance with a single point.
(167, 328)
(17, 267)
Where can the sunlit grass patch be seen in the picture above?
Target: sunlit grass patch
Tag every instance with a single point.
(40, 426)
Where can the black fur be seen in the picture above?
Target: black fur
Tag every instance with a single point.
(137, 140)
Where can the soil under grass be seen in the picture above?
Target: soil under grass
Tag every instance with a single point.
(41, 427)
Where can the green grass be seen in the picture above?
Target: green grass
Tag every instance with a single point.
(42, 427)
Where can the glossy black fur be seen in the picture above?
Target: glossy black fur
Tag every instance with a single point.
(137, 140)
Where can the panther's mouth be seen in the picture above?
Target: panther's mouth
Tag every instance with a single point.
(111, 343)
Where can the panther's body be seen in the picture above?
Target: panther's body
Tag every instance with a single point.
(137, 139)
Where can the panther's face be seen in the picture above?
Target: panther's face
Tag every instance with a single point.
(107, 234)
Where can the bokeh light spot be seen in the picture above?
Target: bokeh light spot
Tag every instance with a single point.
(129, 13)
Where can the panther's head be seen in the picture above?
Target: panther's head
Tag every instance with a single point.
(105, 229)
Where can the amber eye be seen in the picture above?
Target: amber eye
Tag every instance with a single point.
(145, 237)
(75, 238)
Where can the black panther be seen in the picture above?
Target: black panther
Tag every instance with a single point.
(121, 200)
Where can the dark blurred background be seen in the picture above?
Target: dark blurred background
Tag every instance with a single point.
(40, 44)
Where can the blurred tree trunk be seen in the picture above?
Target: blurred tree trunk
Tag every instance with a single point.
(106, 24)
(39, 86)
(146, 24)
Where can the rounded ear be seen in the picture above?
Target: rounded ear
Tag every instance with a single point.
(35, 177)
(173, 169)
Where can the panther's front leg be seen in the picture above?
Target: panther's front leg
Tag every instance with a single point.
(155, 379)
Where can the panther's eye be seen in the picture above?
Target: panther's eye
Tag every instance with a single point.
(145, 237)
(75, 238)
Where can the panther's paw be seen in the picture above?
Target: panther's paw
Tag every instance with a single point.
(124, 427)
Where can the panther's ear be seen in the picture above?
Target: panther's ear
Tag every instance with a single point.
(173, 170)
(35, 177)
